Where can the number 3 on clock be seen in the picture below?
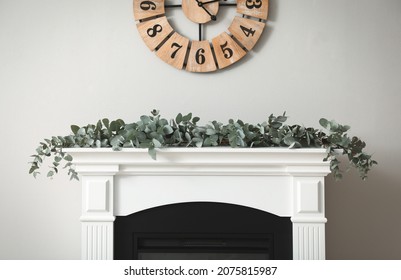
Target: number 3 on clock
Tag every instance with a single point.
(250, 4)
(253, 8)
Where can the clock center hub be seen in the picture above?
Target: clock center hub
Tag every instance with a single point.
(200, 11)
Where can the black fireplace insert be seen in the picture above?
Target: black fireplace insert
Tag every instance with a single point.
(202, 231)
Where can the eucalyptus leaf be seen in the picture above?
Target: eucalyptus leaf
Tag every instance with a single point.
(210, 131)
(187, 117)
(68, 158)
(106, 123)
(145, 119)
(178, 119)
(152, 153)
(156, 143)
(81, 131)
(167, 130)
(324, 123)
(74, 128)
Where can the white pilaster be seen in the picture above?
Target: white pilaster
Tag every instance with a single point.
(308, 218)
(97, 216)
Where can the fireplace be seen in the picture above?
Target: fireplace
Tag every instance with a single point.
(278, 192)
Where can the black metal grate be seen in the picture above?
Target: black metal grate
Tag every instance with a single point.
(195, 246)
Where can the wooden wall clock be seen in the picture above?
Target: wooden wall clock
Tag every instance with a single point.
(201, 55)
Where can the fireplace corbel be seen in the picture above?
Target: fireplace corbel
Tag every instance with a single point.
(281, 181)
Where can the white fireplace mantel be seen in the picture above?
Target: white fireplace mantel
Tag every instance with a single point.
(284, 182)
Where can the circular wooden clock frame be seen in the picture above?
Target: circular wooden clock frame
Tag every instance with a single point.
(201, 56)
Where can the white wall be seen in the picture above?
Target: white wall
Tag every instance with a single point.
(73, 62)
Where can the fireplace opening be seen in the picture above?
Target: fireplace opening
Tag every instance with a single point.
(191, 246)
(202, 231)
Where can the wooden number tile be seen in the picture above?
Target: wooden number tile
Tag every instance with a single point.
(200, 57)
(148, 8)
(154, 31)
(174, 50)
(246, 31)
(227, 50)
(253, 8)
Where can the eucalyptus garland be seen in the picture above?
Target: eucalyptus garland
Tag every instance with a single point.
(153, 132)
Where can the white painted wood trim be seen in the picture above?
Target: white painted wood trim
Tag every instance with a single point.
(285, 182)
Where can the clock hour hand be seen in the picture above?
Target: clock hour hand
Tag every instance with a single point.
(200, 4)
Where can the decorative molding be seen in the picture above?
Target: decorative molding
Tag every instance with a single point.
(96, 195)
(308, 196)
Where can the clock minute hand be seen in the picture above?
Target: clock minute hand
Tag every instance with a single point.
(208, 2)
(200, 4)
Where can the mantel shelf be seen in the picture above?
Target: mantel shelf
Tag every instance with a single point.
(279, 161)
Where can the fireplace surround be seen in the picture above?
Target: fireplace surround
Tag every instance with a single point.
(284, 182)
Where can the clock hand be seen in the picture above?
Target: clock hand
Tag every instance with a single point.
(200, 4)
(208, 2)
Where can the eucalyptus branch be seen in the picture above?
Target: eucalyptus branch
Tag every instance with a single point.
(154, 132)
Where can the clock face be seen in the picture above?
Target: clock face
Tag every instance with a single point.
(201, 55)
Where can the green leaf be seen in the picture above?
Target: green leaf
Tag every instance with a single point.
(210, 131)
(50, 173)
(346, 128)
(145, 119)
(117, 141)
(57, 159)
(294, 145)
(324, 123)
(152, 153)
(106, 123)
(33, 168)
(114, 126)
(178, 118)
(281, 119)
(187, 117)
(195, 119)
(187, 136)
(99, 125)
(167, 130)
(334, 126)
(68, 157)
(74, 128)
(81, 131)
(207, 142)
(289, 140)
(156, 143)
